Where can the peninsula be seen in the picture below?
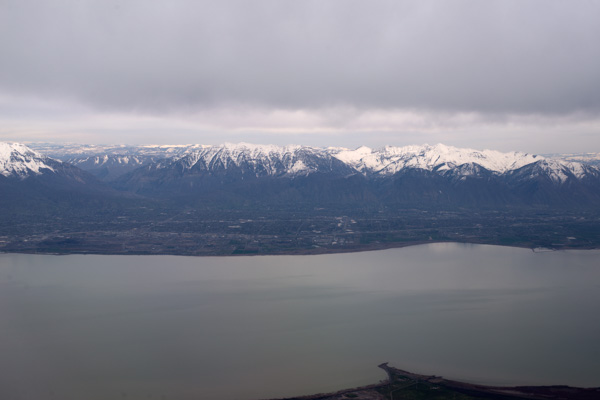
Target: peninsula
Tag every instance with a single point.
(407, 385)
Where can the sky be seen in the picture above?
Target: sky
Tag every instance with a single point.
(506, 75)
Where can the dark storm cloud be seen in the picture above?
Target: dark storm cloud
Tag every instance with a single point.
(482, 56)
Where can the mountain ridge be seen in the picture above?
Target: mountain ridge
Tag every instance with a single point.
(252, 160)
(386, 161)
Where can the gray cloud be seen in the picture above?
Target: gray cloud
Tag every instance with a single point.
(518, 57)
(30, 119)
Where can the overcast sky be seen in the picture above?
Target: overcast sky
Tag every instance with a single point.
(507, 75)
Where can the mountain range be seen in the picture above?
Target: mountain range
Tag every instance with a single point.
(241, 175)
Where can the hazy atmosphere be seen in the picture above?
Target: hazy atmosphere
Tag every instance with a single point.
(505, 75)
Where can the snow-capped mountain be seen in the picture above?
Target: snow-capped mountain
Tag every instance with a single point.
(257, 160)
(390, 160)
(108, 162)
(30, 179)
(19, 161)
(557, 171)
(110, 166)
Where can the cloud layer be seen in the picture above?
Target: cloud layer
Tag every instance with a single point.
(500, 56)
(499, 60)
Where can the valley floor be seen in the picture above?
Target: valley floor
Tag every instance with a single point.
(210, 233)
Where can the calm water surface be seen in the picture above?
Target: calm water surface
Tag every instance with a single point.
(163, 327)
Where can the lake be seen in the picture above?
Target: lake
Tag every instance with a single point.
(167, 327)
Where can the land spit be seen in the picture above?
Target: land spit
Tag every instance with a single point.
(407, 385)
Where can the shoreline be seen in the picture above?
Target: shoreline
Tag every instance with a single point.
(301, 251)
(404, 384)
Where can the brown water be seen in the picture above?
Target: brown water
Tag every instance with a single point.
(162, 327)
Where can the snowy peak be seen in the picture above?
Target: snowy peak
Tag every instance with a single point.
(390, 159)
(558, 171)
(18, 160)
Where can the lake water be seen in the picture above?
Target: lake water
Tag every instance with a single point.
(165, 327)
